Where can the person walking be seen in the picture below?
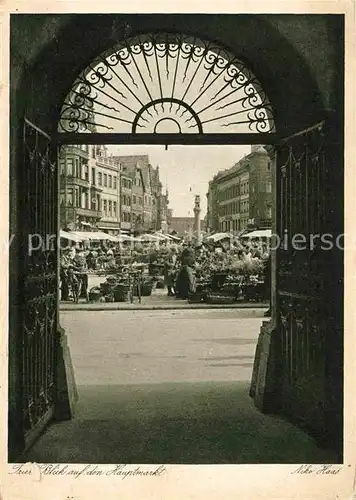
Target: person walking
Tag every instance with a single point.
(185, 284)
(268, 283)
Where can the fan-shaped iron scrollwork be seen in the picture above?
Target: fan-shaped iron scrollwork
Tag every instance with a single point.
(190, 85)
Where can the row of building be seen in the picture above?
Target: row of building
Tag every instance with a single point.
(240, 197)
(99, 191)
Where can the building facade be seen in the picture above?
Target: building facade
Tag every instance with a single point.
(184, 225)
(126, 200)
(241, 196)
(105, 177)
(80, 198)
(148, 204)
(109, 193)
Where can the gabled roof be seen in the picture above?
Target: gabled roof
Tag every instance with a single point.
(131, 162)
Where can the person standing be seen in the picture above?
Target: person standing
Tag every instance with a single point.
(81, 268)
(64, 265)
(90, 260)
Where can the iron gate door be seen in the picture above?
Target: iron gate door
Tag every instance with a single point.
(307, 271)
(40, 280)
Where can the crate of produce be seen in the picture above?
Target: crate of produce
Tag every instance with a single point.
(95, 294)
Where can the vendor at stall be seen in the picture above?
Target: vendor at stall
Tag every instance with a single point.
(90, 260)
(81, 268)
(169, 270)
(65, 263)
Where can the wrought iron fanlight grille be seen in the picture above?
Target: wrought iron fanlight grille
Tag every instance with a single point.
(167, 83)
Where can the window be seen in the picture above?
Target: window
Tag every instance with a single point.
(62, 167)
(134, 200)
(110, 207)
(93, 176)
(77, 167)
(105, 180)
(70, 166)
(105, 207)
(70, 197)
(86, 172)
(93, 152)
(269, 166)
(114, 180)
(269, 212)
(110, 181)
(100, 179)
(77, 198)
(269, 186)
(115, 208)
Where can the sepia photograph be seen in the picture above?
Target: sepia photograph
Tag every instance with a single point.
(176, 252)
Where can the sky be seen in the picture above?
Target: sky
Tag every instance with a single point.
(186, 170)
